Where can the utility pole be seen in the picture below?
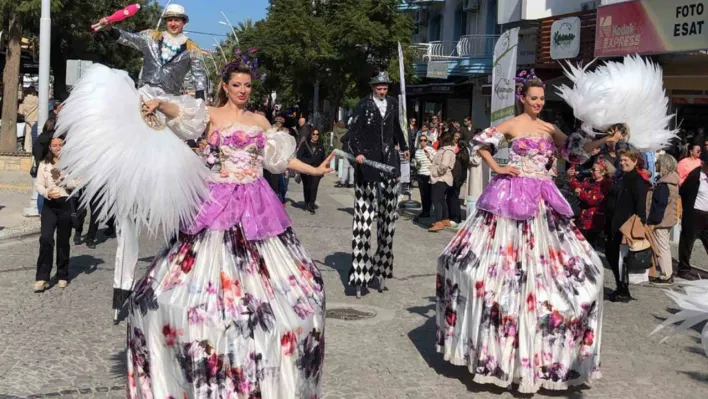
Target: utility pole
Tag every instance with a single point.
(45, 39)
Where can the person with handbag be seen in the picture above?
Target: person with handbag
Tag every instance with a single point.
(40, 148)
(591, 195)
(631, 200)
(441, 180)
(424, 157)
(311, 152)
(56, 217)
(459, 177)
(663, 216)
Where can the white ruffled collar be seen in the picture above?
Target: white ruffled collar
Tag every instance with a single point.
(174, 40)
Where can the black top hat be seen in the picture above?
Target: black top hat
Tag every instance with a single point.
(380, 79)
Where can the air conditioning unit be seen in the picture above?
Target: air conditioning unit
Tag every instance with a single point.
(588, 5)
(470, 5)
(421, 17)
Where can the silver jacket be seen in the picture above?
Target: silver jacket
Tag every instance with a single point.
(169, 76)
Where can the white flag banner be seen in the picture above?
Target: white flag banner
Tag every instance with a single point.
(402, 100)
(503, 74)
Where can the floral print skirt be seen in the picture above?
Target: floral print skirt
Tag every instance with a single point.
(218, 316)
(521, 302)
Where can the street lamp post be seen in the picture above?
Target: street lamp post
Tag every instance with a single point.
(216, 68)
(164, 10)
(231, 26)
(216, 44)
(45, 39)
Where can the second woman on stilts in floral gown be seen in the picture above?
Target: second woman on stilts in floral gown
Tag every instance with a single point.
(519, 289)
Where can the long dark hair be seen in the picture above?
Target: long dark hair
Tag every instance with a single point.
(221, 97)
(50, 155)
(49, 126)
(446, 139)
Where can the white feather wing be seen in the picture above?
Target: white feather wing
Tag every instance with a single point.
(629, 92)
(694, 309)
(114, 156)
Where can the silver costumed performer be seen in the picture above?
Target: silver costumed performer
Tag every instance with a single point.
(170, 58)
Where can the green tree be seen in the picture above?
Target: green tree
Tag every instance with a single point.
(17, 16)
(337, 43)
(71, 39)
(365, 36)
(292, 46)
(79, 42)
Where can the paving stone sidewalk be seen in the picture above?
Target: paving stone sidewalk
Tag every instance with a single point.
(63, 343)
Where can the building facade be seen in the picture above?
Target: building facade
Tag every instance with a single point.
(454, 41)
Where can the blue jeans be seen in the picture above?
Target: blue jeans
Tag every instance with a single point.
(283, 186)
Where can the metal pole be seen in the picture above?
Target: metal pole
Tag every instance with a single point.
(232, 27)
(222, 50)
(45, 39)
(159, 20)
(216, 68)
(316, 99)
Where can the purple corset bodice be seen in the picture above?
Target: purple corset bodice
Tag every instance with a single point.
(518, 197)
(239, 194)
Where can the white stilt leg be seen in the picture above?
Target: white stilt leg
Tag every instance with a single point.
(126, 261)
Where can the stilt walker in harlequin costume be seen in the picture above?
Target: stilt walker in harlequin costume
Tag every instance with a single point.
(168, 57)
(374, 135)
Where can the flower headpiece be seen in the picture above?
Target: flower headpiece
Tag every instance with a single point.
(244, 58)
(524, 77)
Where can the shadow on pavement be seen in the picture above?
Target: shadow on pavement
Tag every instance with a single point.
(120, 364)
(341, 262)
(348, 210)
(83, 264)
(700, 377)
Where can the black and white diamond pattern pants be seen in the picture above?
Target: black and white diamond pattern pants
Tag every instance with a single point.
(373, 200)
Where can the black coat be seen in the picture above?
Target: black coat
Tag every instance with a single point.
(688, 191)
(375, 137)
(631, 200)
(311, 154)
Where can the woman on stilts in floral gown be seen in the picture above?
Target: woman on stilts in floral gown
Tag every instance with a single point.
(233, 307)
(519, 290)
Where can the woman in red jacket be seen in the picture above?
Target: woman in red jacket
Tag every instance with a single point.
(591, 194)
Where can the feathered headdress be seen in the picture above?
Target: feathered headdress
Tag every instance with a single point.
(629, 92)
(522, 78)
(249, 59)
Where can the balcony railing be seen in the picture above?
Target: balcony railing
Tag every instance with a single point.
(469, 46)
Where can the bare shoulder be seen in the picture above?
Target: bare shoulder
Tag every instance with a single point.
(260, 121)
(551, 129)
(507, 127)
(216, 116)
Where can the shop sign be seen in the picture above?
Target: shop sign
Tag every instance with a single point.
(527, 48)
(503, 74)
(651, 27)
(437, 70)
(565, 38)
(430, 89)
